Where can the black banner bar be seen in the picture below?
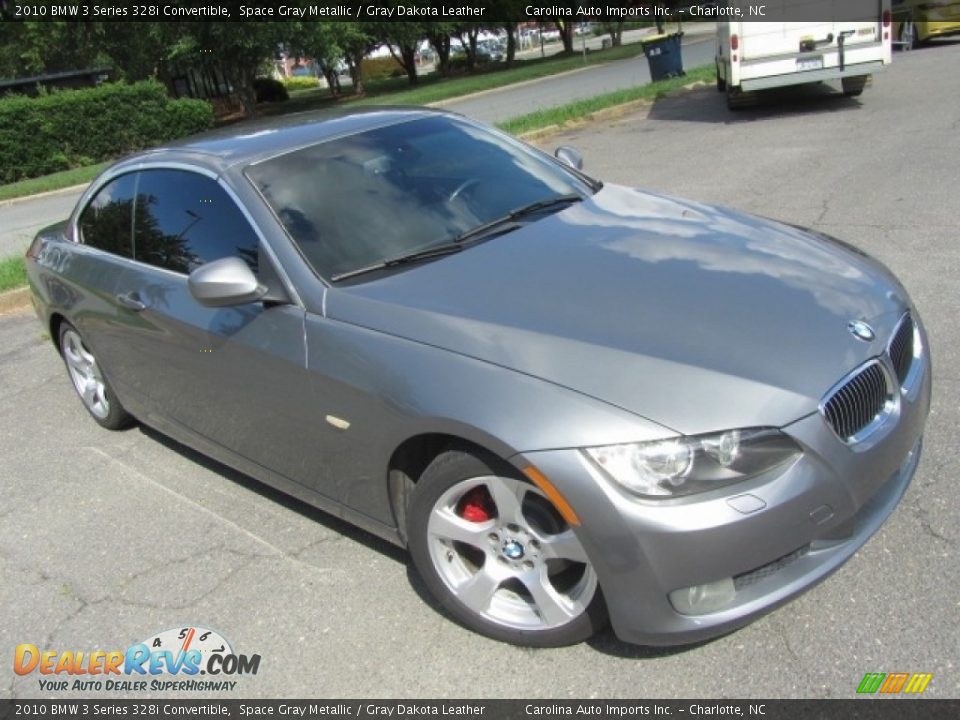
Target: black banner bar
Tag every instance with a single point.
(440, 10)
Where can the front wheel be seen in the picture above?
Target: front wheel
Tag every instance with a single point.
(494, 551)
(89, 381)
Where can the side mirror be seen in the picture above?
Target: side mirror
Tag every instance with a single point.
(569, 156)
(225, 282)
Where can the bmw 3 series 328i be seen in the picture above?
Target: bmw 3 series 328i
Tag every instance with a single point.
(573, 402)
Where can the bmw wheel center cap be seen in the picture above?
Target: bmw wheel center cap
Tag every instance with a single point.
(512, 550)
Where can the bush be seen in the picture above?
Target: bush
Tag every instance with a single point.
(300, 82)
(379, 68)
(70, 128)
(270, 90)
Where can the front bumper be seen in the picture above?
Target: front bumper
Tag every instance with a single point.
(776, 535)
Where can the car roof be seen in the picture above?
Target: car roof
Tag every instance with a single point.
(249, 142)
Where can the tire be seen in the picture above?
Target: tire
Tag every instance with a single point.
(853, 86)
(721, 83)
(907, 35)
(498, 557)
(737, 99)
(91, 384)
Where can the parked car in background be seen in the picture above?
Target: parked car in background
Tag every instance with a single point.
(571, 401)
(917, 21)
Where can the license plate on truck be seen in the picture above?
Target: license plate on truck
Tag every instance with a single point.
(810, 63)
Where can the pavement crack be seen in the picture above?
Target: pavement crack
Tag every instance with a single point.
(923, 516)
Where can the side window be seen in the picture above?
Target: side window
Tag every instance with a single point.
(184, 220)
(106, 221)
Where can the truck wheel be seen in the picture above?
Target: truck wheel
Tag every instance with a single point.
(721, 83)
(737, 99)
(853, 86)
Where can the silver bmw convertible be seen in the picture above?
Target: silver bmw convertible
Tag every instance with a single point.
(573, 402)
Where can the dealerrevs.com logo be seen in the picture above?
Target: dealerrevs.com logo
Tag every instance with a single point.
(179, 659)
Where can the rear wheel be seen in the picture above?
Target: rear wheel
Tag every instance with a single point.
(721, 83)
(499, 557)
(737, 99)
(89, 381)
(853, 86)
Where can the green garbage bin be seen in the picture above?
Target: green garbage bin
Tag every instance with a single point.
(663, 56)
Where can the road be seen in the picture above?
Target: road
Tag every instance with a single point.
(20, 221)
(107, 538)
(500, 105)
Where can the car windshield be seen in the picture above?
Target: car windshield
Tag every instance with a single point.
(356, 201)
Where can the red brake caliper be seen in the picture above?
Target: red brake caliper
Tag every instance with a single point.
(476, 506)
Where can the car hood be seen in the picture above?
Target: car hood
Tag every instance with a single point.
(692, 316)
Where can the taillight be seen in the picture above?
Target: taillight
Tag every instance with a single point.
(886, 18)
(734, 42)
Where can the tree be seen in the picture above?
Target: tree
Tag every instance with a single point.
(438, 35)
(240, 50)
(467, 33)
(566, 34)
(511, 30)
(615, 29)
(358, 39)
(37, 48)
(322, 42)
(137, 50)
(403, 41)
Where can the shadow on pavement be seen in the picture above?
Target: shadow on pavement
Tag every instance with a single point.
(706, 105)
(331, 522)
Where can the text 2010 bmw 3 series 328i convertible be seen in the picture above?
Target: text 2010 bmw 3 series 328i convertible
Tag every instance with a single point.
(573, 402)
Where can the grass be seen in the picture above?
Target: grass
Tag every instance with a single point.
(56, 181)
(13, 273)
(584, 108)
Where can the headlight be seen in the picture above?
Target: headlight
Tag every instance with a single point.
(687, 465)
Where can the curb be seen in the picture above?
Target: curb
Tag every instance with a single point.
(13, 300)
(607, 113)
(49, 193)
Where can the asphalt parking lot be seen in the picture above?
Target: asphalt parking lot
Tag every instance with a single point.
(109, 538)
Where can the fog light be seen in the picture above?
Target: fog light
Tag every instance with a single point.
(703, 599)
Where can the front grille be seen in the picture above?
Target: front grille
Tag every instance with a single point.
(757, 574)
(858, 401)
(901, 348)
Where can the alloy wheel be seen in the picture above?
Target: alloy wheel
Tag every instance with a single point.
(504, 552)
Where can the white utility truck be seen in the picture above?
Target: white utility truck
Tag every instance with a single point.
(844, 40)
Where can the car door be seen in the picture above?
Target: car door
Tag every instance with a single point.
(87, 286)
(234, 376)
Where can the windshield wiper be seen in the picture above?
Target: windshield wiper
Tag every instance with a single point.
(425, 254)
(497, 226)
(508, 222)
(545, 205)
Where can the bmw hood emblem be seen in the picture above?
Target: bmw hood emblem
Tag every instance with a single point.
(861, 331)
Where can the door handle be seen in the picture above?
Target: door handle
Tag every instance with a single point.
(131, 301)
